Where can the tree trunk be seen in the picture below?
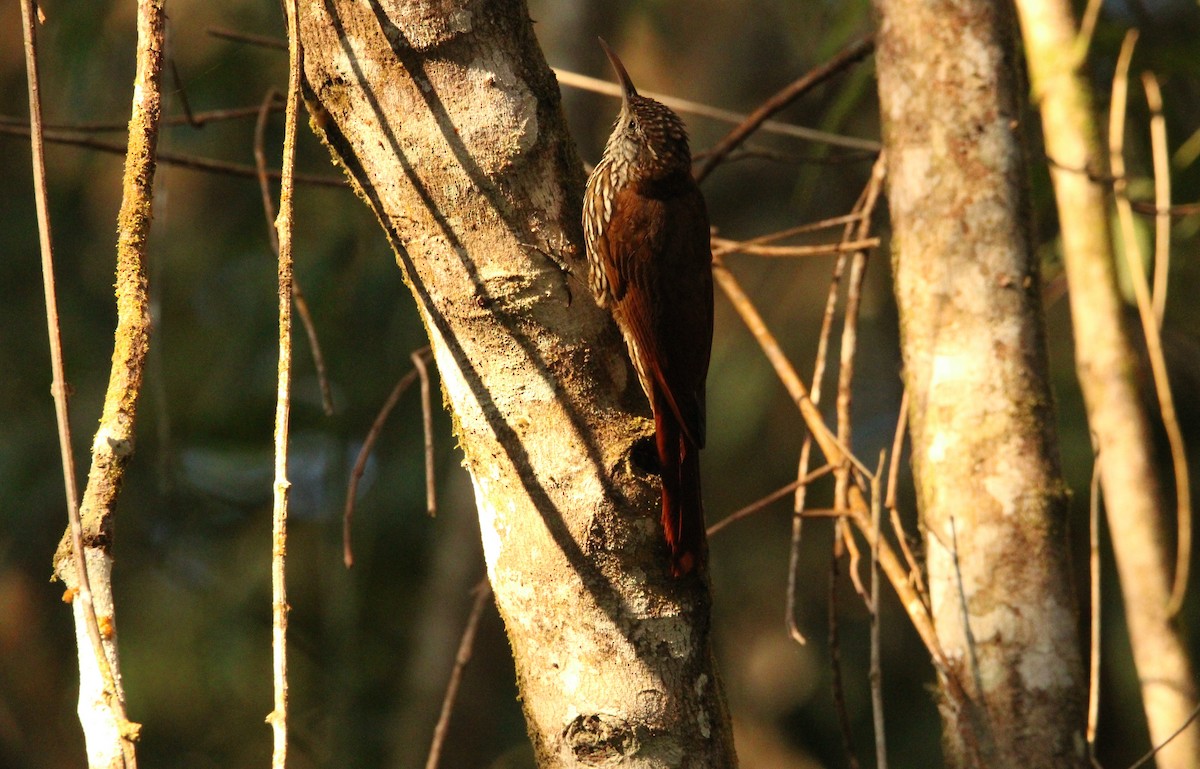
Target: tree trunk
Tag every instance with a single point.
(985, 454)
(1104, 362)
(447, 120)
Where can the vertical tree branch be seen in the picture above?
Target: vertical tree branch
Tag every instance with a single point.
(101, 702)
(422, 369)
(985, 456)
(109, 733)
(1105, 366)
(1136, 268)
(1093, 712)
(283, 225)
(876, 646)
(1162, 194)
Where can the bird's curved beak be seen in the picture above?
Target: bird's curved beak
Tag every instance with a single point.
(627, 89)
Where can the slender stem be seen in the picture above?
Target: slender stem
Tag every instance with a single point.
(483, 591)
(774, 496)
(58, 367)
(876, 673)
(595, 85)
(896, 573)
(846, 57)
(726, 246)
(264, 186)
(914, 569)
(279, 606)
(1093, 713)
(422, 368)
(835, 655)
(364, 453)
(1150, 328)
(179, 160)
(1162, 194)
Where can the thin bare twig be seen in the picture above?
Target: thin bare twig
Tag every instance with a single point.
(798, 502)
(1150, 754)
(1087, 28)
(364, 453)
(846, 57)
(1093, 712)
(897, 447)
(263, 41)
(823, 224)
(847, 535)
(754, 152)
(890, 502)
(466, 645)
(418, 359)
(361, 462)
(828, 512)
(595, 85)
(876, 673)
(1177, 210)
(817, 378)
(1150, 328)
(1162, 194)
(113, 696)
(774, 496)
(783, 367)
(849, 346)
(181, 92)
(178, 160)
(835, 657)
(264, 186)
(897, 574)
(725, 246)
(279, 607)
(195, 120)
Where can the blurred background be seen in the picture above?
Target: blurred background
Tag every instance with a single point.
(371, 648)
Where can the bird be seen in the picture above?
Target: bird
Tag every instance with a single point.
(647, 242)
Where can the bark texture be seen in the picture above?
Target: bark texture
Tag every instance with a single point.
(447, 120)
(1104, 361)
(985, 454)
(109, 735)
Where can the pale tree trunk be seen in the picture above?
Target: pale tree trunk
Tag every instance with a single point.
(985, 456)
(1104, 361)
(447, 118)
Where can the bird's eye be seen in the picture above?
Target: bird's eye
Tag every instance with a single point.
(632, 123)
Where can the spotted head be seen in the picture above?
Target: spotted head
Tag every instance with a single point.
(648, 141)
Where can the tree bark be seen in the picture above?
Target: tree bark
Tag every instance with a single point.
(448, 122)
(1104, 361)
(985, 455)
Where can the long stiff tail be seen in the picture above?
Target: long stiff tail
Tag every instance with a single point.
(682, 509)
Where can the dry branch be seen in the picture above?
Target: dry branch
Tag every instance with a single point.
(264, 187)
(1151, 323)
(179, 160)
(466, 645)
(794, 90)
(110, 735)
(278, 717)
(1162, 194)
